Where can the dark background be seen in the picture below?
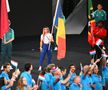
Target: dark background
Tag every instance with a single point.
(29, 16)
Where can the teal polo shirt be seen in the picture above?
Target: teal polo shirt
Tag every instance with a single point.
(9, 35)
(100, 15)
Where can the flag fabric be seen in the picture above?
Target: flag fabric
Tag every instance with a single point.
(90, 38)
(4, 18)
(99, 42)
(92, 52)
(14, 63)
(91, 24)
(104, 55)
(59, 23)
(90, 9)
(41, 77)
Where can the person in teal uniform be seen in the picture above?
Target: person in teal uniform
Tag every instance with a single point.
(57, 81)
(6, 47)
(63, 72)
(86, 79)
(105, 73)
(27, 74)
(76, 84)
(8, 83)
(99, 14)
(72, 70)
(97, 79)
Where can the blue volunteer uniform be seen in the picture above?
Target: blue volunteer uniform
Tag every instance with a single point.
(105, 76)
(56, 85)
(46, 48)
(86, 81)
(46, 84)
(74, 86)
(28, 77)
(98, 81)
(63, 86)
(71, 78)
(5, 75)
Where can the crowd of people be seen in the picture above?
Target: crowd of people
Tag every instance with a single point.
(54, 77)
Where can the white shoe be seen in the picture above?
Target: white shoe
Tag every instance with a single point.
(55, 48)
(40, 68)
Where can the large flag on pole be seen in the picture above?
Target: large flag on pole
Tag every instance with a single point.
(59, 23)
(4, 17)
(91, 23)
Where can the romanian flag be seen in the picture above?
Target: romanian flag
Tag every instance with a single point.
(59, 23)
(4, 9)
(92, 23)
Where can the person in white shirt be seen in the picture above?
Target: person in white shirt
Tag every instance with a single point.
(45, 46)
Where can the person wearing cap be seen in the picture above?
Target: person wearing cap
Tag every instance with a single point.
(45, 46)
(76, 84)
(6, 45)
(105, 73)
(99, 14)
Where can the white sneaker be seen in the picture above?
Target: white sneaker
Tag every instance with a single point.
(40, 68)
(55, 48)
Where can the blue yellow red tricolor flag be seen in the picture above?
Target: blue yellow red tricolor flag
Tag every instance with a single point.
(59, 23)
(4, 25)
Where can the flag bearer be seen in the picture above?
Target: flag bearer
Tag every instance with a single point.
(45, 46)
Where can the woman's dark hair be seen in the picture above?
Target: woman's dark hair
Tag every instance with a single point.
(72, 65)
(27, 66)
(62, 68)
(5, 65)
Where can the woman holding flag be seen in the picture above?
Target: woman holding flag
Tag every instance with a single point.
(45, 46)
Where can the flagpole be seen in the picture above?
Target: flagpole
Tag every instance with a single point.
(7, 5)
(55, 16)
(54, 20)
